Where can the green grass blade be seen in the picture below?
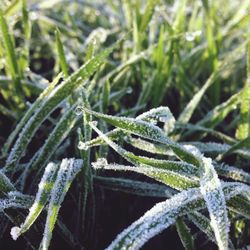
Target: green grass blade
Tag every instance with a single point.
(157, 219)
(243, 130)
(59, 133)
(11, 58)
(66, 173)
(146, 130)
(184, 234)
(42, 196)
(29, 114)
(213, 194)
(51, 102)
(61, 54)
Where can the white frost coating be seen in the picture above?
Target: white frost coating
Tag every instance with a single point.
(207, 147)
(233, 172)
(212, 192)
(162, 114)
(68, 170)
(181, 181)
(195, 151)
(154, 221)
(140, 161)
(15, 232)
(42, 196)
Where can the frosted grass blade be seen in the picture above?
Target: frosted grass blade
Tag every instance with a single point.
(42, 196)
(58, 94)
(66, 173)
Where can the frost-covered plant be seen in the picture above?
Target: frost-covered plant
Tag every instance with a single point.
(171, 73)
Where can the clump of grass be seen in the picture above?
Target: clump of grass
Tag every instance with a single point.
(159, 89)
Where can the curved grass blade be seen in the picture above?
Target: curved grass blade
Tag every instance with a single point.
(29, 114)
(50, 103)
(60, 132)
(15, 200)
(148, 131)
(170, 178)
(160, 114)
(42, 196)
(245, 143)
(175, 174)
(157, 219)
(212, 192)
(66, 173)
(61, 54)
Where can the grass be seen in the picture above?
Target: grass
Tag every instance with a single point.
(107, 104)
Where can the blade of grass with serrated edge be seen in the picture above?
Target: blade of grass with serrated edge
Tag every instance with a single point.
(174, 174)
(184, 234)
(160, 114)
(58, 94)
(203, 223)
(29, 113)
(148, 131)
(61, 54)
(5, 184)
(173, 179)
(157, 219)
(212, 192)
(44, 188)
(232, 172)
(15, 200)
(66, 173)
(165, 213)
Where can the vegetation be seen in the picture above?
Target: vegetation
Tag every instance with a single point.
(122, 119)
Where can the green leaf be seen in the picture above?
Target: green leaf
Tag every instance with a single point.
(11, 58)
(212, 192)
(66, 173)
(42, 196)
(148, 131)
(61, 54)
(243, 130)
(58, 94)
(27, 116)
(59, 133)
(184, 234)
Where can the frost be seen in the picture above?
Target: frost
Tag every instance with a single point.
(212, 192)
(157, 219)
(67, 171)
(148, 131)
(42, 196)
(15, 232)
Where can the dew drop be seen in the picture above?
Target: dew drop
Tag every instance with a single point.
(189, 36)
(129, 90)
(78, 110)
